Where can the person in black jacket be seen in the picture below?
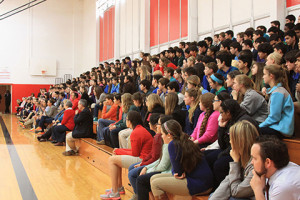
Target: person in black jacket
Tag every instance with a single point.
(219, 159)
(129, 86)
(7, 98)
(83, 127)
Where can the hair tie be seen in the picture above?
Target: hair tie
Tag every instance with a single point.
(166, 127)
(213, 77)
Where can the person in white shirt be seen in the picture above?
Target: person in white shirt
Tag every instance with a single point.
(274, 176)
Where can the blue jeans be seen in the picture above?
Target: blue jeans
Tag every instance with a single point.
(133, 173)
(96, 109)
(102, 123)
(231, 198)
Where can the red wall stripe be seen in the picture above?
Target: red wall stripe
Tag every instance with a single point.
(184, 18)
(174, 20)
(110, 36)
(113, 32)
(163, 21)
(153, 23)
(24, 90)
(290, 3)
(101, 39)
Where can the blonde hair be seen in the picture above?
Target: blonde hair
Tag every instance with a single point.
(279, 75)
(157, 72)
(194, 80)
(126, 100)
(193, 92)
(170, 103)
(153, 100)
(145, 73)
(244, 80)
(192, 59)
(276, 57)
(242, 136)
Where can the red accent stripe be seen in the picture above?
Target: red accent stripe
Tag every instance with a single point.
(290, 3)
(184, 18)
(153, 22)
(174, 20)
(163, 21)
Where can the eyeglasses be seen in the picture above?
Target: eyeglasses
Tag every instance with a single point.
(216, 101)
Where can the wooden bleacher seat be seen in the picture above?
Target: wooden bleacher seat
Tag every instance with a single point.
(293, 146)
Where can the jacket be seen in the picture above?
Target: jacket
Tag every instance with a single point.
(68, 119)
(122, 122)
(190, 126)
(83, 124)
(52, 112)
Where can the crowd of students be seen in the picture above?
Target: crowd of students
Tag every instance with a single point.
(203, 118)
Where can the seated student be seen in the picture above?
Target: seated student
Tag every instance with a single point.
(144, 73)
(247, 45)
(219, 159)
(245, 62)
(235, 49)
(115, 85)
(168, 73)
(180, 56)
(134, 170)
(174, 87)
(67, 124)
(253, 102)
(191, 61)
(108, 86)
(216, 83)
(237, 182)
(179, 79)
(172, 108)
(212, 51)
(280, 121)
(230, 79)
(193, 81)
(145, 87)
(225, 45)
(74, 99)
(48, 117)
(154, 105)
(206, 129)
(293, 75)
(155, 80)
(224, 63)
(186, 73)
(192, 99)
(162, 88)
(98, 91)
(273, 170)
(190, 174)
(209, 69)
(154, 62)
(256, 43)
(257, 75)
(274, 58)
(264, 50)
(141, 142)
(291, 40)
(280, 48)
(129, 86)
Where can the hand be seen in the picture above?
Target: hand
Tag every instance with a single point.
(203, 149)
(144, 170)
(234, 94)
(53, 121)
(159, 92)
(179, 177)
(264, 91)
(196, 142)
(258, 183)
(112, 127)
(191, 138)
(76, 112)
(222, 123)
(114, 151)
(298, 87)
(104, 103)
(136, 166)
(235, 155)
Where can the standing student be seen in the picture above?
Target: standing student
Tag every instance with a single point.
(7, 98)
(190, 174)
(280, 121)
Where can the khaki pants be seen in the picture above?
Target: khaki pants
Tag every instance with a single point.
(124, 138)
(162, 183)
(70, 143)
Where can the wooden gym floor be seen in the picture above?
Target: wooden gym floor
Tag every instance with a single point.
(32, 170)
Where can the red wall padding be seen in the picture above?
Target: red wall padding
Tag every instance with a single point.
(153, 23)
(101, 33)
(184, 18)
(290, 3)
(163, 21)
(24, 90)
(174, 20)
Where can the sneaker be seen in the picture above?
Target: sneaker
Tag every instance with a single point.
(95, 119)
(102, 142)
(69, 153)
(121, 190)
(110, 196)
(33, 130)
(134, 197)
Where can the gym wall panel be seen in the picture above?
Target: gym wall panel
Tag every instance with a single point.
(184, 18)
(241, 10)
(153, 23)
(264, 21)
(261, 7)
(174, 20)
(204, 16)
(240, 28)
(163, 21)
(221, 13)
(136, 25)
(290, 3)
(129, 26)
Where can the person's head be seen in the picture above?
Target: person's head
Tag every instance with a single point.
(191, 61)
(208, 41)
(242, 136)
(137, 99)
(193, 81)
(177, 73)
(152, 101)
(211, 51)
(188, 72)
(193, 50)
(229, 34)
(297, 30)
(275, 23)
(126, 100)
(128, 79)
(230, 77)
(216, 80)
(290, 37)
(280, 48)
(109, 99)
(181, 45)
(257, 34)
(273, 30)
(173, 131)
(274, 39)
(222, 96)
(145, 85)
(274, 58)
(74, 95)
(229, 109)
(247, 45)
(273, 74)
(225, 45)
(288, 26)
(168, 72)
(248, 35)
(133, 119)
(240, 37)
(245, 59)
(221, 37)
(179, 52)
(223, 59)
(264, 50)
(173, 86)
(153, 121)
(259, 41)
(98, 91)
(290, 59)
(210, 68)
(268, 155)
(203, 45)
(117, 99)
(162, 83)
(82, 104)
(170, 103)
(162, 119)
(206, 102)
(242, 83)
(235, 48)
(290, 19)
(155, 79)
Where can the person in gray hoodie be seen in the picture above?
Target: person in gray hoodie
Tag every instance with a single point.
(253, 102)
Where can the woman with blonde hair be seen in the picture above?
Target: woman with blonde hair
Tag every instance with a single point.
(191, 61)
(154, 105)
(206, 129)
(237, 184)
(172, 108)
(193, 81)
(144, 73)
(274, 58)
(253, 102)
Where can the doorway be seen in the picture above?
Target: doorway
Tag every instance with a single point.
(3, 89)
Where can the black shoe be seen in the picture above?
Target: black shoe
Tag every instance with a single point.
(53, 142)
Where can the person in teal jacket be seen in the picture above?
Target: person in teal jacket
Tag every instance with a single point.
(115, 87)
(280, 121)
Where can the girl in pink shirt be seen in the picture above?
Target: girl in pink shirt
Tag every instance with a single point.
(206, 129)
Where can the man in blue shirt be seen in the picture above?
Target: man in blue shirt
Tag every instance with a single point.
(224, 63)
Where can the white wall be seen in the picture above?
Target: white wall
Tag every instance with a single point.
(61, 30)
